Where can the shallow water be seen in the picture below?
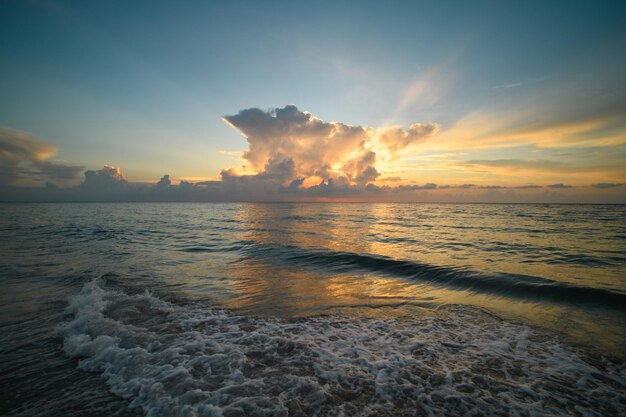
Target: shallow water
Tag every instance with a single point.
(312, 309)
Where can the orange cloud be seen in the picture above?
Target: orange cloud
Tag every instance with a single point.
(314, 148)
(481, 131)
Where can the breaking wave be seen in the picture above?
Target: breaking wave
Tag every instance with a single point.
(503, 284)
(189, 360)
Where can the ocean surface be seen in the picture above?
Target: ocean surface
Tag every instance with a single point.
(312, 310)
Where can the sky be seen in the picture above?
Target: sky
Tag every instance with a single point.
(342, 100)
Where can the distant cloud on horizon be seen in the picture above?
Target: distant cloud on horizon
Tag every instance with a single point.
(607, 185)
(292, 156)
(559, 186)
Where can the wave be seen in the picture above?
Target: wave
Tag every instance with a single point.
(215, 247)
(175, 360)
(502, 284)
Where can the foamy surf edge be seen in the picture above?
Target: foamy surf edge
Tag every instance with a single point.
(172, 360)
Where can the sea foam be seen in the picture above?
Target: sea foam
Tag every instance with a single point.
(173, 360)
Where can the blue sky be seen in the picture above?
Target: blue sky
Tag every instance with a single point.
(144, 85)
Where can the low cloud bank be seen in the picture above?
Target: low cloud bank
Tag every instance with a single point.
(604, 185)
(108, 184)
(292, 156)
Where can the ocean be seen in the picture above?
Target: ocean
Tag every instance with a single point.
(312, 309)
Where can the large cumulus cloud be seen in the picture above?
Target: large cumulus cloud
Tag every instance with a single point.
(318, 149)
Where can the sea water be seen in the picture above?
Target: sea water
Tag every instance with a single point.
(312, 309)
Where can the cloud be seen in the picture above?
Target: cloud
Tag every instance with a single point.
(295, 156)
(164, 181)
(429, 85)
(25, 158)
(362, 170)
(458, 186)
(607, 185)
(537, 125)
(559, 186)
(527, 187)
(286, 144)
(391, 179)
(396, 138)
(106, 178)
(511, 85)
(518, 164)
(288, 133)
(108, 184)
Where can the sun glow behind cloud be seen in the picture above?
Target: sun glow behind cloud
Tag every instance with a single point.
(294, 155)
(482, 149)
(316, 150)
(517, 95)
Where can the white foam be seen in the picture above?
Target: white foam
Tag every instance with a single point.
(182, 361)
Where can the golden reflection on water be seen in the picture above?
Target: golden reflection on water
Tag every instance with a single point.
(420, 233)
(306, 225)
(285, 290)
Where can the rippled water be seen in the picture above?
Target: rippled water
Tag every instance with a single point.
(312, 309)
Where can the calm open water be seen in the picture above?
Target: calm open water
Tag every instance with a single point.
(312, 309)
